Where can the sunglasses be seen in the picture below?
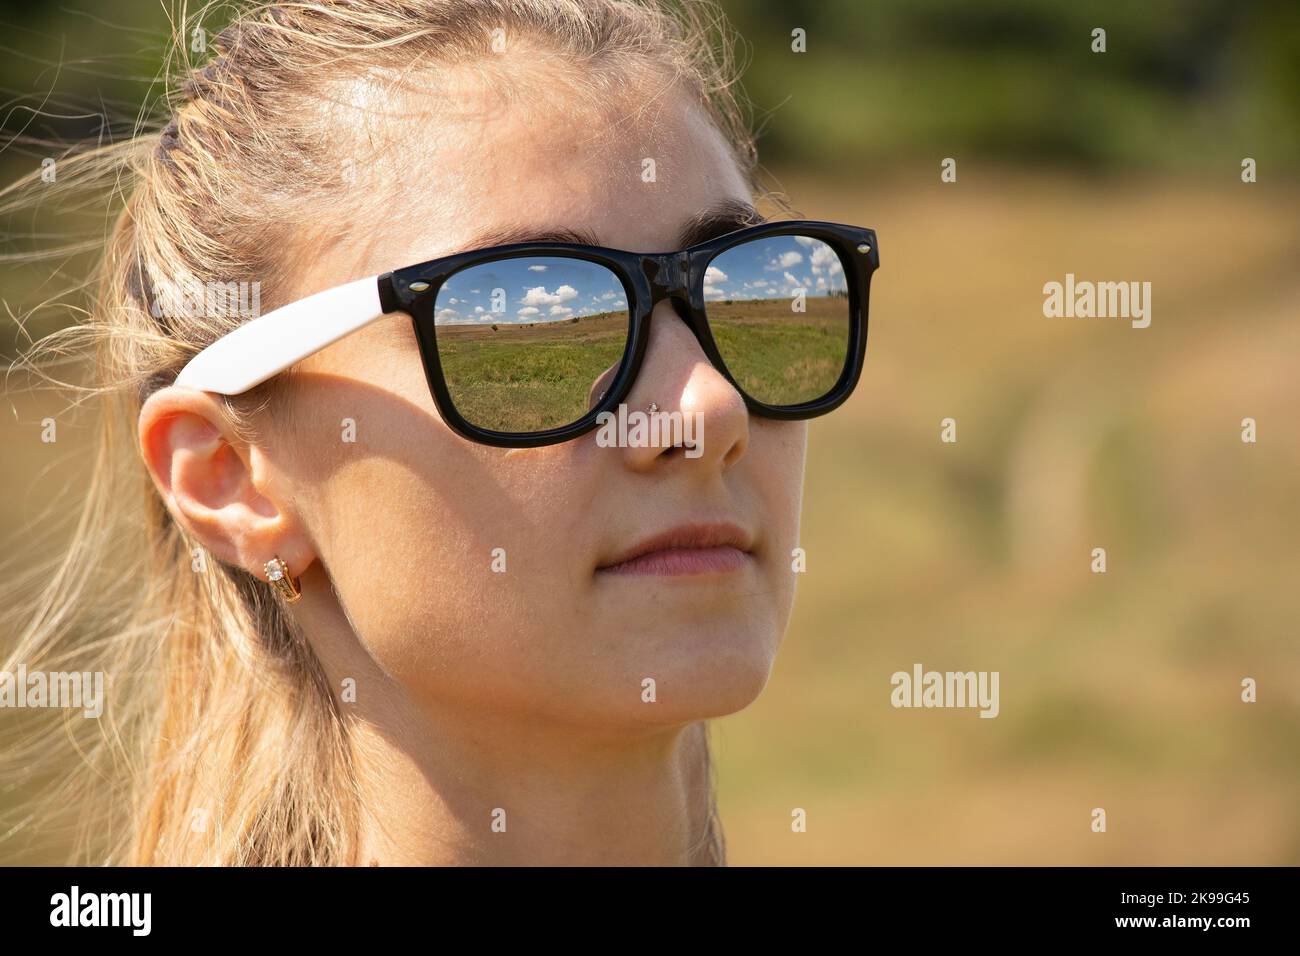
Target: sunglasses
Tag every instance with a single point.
(527, 344)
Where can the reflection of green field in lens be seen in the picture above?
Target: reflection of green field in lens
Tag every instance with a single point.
(529, 376)
(778, 356)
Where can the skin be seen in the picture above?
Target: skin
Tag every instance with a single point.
(520, 690)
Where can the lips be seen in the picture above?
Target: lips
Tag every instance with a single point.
(711, 548)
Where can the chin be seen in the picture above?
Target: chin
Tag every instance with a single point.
(708, 672)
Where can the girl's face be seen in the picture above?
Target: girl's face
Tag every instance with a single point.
(472, 577)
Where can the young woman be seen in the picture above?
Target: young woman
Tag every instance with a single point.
(391, 600)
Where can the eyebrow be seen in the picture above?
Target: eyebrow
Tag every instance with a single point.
(718, 220)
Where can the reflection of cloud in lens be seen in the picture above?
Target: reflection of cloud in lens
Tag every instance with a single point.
(739, 274)
(825, 260)
(539, 296)
(713, 277)
(507, 293)
(783, 260)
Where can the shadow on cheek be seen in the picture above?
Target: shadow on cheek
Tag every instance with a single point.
(339, 420)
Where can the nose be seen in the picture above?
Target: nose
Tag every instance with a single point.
(678, 377)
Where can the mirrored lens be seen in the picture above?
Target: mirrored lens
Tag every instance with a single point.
(778, 308)
(530, 343)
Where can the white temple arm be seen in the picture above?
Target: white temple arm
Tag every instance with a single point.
(271, 343)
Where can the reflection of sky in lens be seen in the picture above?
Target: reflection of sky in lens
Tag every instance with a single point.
(553, 289)
(532, 289)
(775, 267)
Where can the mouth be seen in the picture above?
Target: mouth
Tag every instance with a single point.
(712, 548)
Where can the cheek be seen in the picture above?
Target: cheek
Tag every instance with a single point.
(463, 570)
(775, 458)
(456, 564)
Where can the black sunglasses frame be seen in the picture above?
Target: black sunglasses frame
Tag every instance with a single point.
(647, 278)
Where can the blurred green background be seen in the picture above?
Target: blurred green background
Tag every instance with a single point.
(1118, 690)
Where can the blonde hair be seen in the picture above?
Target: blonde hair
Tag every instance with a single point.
(224, 743)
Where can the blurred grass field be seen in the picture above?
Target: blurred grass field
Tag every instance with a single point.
(1119, 690)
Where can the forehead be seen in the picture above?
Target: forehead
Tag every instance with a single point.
(490, 160)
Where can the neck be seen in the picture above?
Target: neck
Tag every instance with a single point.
(447, 788)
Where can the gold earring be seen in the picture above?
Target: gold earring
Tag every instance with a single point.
(277, 572)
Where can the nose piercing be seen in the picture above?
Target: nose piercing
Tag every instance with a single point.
(278, 574)
(653, 408)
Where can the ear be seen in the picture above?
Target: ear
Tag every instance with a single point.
(217, 487)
